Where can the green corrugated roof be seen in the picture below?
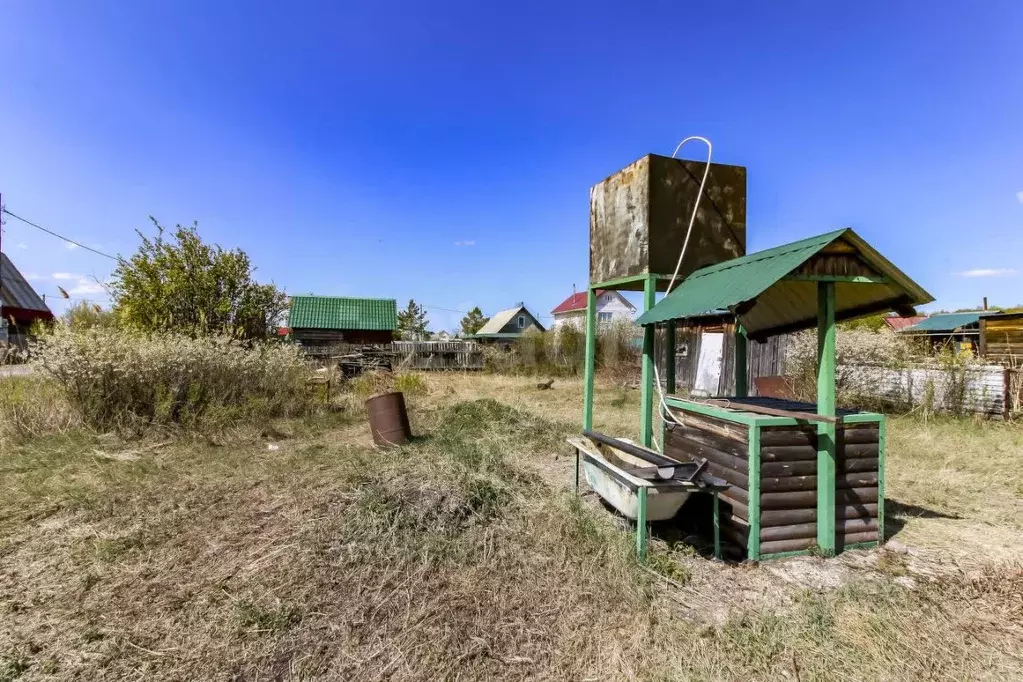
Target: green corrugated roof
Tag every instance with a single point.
(946, 322)
(341, 312)
(780, 304)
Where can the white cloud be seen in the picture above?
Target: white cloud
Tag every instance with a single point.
(466, 242)
(70, 247)
(1019, 197)
(86, 288)
(34, 277)
(67, 276)
(21, 245)
(987, 272)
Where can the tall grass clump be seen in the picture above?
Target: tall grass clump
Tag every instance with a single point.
(31, 407)
(116, 379)
(562, 352)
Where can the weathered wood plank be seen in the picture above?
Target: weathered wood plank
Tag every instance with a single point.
(784, 517)
(681, 447)
(734, 447)
(844, 528)
(808, 498)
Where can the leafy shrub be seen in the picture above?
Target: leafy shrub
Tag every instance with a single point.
(124, 380)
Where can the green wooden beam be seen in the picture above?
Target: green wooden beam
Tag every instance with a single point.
(641, 524)
(630, 283)
(720, 412)
(741, 368)
(647, 394)
(881, 446)
(591, 358)
(853, 279)
(669, 374)
(753, 507)
(826, 432)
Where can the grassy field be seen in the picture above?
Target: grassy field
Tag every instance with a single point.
(297, 551)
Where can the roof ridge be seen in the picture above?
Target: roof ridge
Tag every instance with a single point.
(772, 252)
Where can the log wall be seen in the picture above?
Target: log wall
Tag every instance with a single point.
(788, 484)
(725, 445)
(787, 477)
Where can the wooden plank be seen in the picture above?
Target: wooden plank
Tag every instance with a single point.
(789, 453)
(788, 436)
(784, 517)
(773, 411)
(843, 528)
(808, 498)
(732, 446)
(853, 538)
(737, 508)
(730, 475)
(786, 545)
(682, 448)
(809, 468)
(794, 483)
(719, 427)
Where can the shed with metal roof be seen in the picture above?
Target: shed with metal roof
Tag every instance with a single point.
(324, 320)
(20, 304)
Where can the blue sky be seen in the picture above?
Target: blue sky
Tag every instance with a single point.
(444, 151)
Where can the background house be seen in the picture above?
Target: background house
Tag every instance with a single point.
(611, 306)
(960, 330)
(897, 324)
(20, 305)
(326, 320)
(508, 325)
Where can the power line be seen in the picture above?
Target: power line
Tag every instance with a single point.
(58, 236)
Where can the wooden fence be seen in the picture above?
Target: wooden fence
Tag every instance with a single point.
(409, 355)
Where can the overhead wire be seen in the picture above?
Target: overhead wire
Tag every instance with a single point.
(58, 236)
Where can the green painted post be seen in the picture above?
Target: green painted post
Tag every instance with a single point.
(669, 374)
(826, 431)
(741, 369)
(880, 479)
(577, 471)
(753, 506)
(591, 358)
(641, 525)
(717, 528)
(647, 396)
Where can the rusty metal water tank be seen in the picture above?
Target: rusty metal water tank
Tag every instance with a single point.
(388, 419)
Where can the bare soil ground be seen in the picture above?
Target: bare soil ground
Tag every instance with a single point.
(297, 551)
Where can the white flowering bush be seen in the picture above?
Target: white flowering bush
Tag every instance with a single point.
(119, 379)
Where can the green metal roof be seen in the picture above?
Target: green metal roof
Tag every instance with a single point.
(946, 322)
(757, 288)
(340, 312)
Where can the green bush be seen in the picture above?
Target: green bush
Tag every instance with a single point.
(123, 380)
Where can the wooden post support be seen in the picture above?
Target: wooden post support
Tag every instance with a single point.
(577, 471)
(641, 524)
(669, 374)
(647, 378)
(826, 430)
(717, 528)
(591, 357)
(741, 368)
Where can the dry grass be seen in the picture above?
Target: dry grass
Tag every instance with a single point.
(463, 556)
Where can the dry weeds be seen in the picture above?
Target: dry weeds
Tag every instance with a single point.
(463, 556)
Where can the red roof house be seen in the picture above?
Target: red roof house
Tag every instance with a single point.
(897, 324)
(611, 306)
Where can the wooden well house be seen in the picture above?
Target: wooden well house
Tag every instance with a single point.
(804, 476)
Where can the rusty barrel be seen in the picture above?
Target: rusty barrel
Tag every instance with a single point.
(388, 419)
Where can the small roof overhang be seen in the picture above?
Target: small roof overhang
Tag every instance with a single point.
(775, 291)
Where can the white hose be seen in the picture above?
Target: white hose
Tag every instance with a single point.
(663, 411)
(696, 204)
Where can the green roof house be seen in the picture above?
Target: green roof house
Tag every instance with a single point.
(326, 320)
